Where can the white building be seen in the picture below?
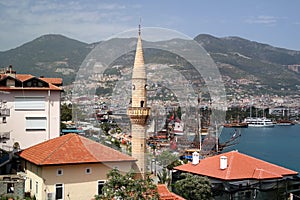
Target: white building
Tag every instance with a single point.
(34, 109)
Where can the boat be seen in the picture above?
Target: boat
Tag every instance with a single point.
(236, 125)
(258, 122)
(284, 123)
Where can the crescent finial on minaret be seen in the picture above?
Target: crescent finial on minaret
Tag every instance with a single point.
(140, 26)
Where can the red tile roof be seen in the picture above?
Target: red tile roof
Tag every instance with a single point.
(54, 83)
(165, 194)
(239, 166)
(72, 149)
(23, 77)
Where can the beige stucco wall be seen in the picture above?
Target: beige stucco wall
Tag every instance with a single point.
(77, 184)
(16, 121)
(33, 175)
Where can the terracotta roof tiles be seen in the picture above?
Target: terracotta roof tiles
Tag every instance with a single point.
(72, 149)
(23, 77)
(54, 83)
(239, 166)
(165, 194)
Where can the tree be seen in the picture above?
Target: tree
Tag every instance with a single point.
(193, 187)
(178, 112)
(66, 112)
(164, 177)
(166, 158)
(66, 115)
(126, 187)
(175, 164)
(105, 127)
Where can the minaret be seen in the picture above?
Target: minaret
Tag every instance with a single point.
(139, 112)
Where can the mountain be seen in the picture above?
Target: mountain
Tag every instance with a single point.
(49, 55)
(271, 68)
(275, 68)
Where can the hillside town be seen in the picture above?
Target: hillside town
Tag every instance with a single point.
(140, 130)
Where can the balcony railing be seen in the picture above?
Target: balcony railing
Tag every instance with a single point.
(4, 136)
(138, 115)
(138, 111)
(4, 112)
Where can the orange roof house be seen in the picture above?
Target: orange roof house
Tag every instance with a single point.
(236, 174)
(72, 149)
(239, 166)
(70, 166)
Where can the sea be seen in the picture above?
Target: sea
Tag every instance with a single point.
(279, 145)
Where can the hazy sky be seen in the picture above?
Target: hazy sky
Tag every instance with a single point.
(274, 22)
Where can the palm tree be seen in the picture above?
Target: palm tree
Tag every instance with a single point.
(164, 177)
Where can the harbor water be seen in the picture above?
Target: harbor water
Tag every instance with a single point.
(279, 145)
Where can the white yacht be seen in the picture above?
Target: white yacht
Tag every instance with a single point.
(258, 122)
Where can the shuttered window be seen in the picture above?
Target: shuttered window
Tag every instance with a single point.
(36, 123)
(29, 103)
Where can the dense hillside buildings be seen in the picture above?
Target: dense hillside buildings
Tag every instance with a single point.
(32, 109)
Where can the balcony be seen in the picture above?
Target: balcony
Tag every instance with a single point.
(4, 112)
(4, 136)
(138, 115)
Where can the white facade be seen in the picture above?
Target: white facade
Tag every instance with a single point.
(34, 106)
(37, 120)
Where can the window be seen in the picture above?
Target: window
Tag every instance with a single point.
(59, 172)
(88, 170)
(35, 83)
(29, 103)
(36, 123)
(100, 186)
(10, 188)
(36, 187)
(59, 190)
(30, 184)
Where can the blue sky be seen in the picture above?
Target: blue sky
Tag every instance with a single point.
(272, 22)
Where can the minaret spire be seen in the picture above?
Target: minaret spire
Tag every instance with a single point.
(139, 70)
(139, 112)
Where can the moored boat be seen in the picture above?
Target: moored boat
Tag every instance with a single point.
(284, 123)
(236, 125)
(258, 122)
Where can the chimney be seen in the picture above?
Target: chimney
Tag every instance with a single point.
(195, 157)
(11, 72)
(223, 162)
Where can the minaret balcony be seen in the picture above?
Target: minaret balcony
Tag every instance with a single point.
(138, 115)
